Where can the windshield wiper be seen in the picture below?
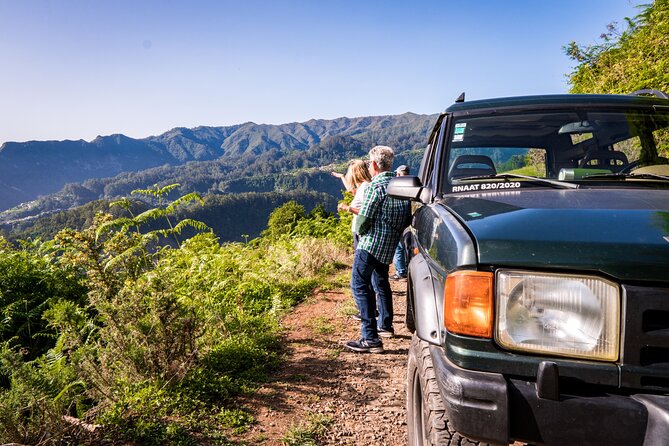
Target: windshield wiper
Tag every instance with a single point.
(555, 183)
(650, 175)
(625, 176)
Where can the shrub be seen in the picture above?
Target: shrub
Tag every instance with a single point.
(318, 255)
(283, 219)
(162, 338)
(39, 393)
(29, 285)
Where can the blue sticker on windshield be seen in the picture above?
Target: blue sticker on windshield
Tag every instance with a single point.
(459, 132)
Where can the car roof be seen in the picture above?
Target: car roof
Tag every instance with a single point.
(558, 101)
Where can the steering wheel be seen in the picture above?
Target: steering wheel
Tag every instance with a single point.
(631, 166)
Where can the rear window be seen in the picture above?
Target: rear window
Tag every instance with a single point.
(468, 161)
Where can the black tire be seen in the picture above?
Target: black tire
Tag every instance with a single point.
(409, 320)
(427, 417)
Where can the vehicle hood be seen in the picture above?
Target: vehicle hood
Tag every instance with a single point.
(623, 233)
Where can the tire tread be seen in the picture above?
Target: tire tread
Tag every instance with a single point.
(439, 431)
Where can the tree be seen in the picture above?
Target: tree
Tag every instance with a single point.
(634, 59)
(284, 219)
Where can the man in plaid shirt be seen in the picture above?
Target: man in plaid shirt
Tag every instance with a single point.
(380, 224)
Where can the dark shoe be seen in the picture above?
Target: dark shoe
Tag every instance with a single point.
(397, 277)
(386, 333)
(365, 346)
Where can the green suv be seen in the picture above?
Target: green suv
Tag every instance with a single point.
(538, 287)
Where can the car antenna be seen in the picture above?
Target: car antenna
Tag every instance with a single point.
(461, 98)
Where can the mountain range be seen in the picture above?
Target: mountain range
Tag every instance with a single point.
(40, 177)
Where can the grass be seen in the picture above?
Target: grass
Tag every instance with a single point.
(333, 353)
(532, 171)
(348, 308)
(307, 434)
(321, 325)
(237, 420)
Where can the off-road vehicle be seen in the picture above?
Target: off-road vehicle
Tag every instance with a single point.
(538, 287)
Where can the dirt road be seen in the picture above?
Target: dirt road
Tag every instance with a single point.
(359, 399)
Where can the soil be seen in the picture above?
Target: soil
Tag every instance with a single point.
(359, 397)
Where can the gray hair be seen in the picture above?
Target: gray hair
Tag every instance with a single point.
(383, 157)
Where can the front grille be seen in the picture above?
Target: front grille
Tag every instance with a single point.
(657, 321)
(655, 357)
(645, 355)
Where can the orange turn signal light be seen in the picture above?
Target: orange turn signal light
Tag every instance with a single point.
(468, 301)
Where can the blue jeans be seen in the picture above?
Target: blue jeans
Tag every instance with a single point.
(400, 261)
(370, 276)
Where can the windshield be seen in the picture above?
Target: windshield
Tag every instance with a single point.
(558, 145)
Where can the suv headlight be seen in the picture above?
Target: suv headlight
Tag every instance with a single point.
(566, 315)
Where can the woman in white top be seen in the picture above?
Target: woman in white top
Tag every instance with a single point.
(358, 177)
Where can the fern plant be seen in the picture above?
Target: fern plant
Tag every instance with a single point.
(169, 334)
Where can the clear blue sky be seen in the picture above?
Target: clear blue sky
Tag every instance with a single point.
(75, 69)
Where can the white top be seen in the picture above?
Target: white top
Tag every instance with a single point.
(357, 201)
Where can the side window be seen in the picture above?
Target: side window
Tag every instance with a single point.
(431, 157)
(631, 147)
(530, 161)
(425, 162)
(628, 140)
(467, 162)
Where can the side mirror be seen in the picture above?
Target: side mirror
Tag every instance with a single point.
(406, 187)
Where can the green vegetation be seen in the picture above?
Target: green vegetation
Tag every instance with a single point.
(627, 60)
(308, 433)
(532, 164)
(230, 216)
(146, 333)
(322, 325)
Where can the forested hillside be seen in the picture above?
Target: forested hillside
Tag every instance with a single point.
(203, 159)
(231, 217)
(288, 162)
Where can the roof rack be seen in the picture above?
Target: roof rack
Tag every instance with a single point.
(650, 92)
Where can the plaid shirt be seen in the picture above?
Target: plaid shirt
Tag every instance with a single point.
(385, 217)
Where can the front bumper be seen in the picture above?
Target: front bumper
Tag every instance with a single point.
(497, 409)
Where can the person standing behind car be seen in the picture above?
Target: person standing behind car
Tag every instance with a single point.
(360, 179)
(379, 223)
(399, 260)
